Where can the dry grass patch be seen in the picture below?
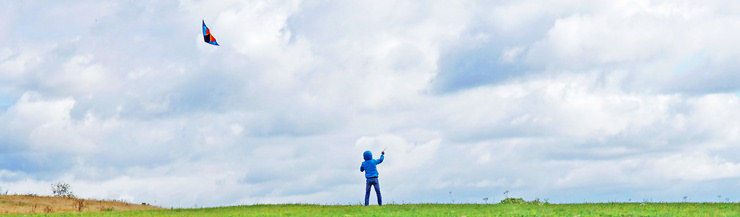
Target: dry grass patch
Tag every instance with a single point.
(46, 204)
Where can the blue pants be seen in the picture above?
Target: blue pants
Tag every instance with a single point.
(369, 183)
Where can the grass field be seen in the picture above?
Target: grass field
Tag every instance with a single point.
(593, 209)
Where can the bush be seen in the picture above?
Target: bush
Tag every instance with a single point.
(61, 189)
(537, 201)
(79, 204)
(512, 200)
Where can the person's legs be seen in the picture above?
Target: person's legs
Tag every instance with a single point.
(367, 191)
(377, 192)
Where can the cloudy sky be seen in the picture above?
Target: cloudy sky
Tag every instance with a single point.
(569, 101)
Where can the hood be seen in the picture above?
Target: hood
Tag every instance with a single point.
(367, 155)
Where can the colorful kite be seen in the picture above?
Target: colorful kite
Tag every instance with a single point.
(207, 35)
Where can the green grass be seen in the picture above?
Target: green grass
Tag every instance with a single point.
(590, 209)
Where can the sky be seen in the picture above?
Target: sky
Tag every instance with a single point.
(567, 101)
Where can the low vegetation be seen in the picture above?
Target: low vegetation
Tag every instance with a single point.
(61, 189)
(28, 204)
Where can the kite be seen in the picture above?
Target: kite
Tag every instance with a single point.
(207, 35)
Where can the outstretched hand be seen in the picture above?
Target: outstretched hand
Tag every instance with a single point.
(382, 153)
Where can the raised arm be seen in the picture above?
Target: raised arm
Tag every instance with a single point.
(380, 160)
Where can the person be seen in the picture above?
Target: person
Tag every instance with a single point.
(371, 175)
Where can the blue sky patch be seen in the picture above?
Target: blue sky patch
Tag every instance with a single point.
(6, 102)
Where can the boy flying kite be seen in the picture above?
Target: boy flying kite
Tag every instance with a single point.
(371, 175)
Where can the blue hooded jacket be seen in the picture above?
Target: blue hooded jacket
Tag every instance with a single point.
(369, 165)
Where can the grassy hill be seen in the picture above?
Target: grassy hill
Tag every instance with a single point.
(43, 204)
(589, 209)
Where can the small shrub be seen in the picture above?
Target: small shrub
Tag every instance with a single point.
(61, 189)
(537, 201)
(512, 200)
(79, 204)
(515, 200)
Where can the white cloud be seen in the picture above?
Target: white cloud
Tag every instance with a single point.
(412, 156)
(474, 98)
(650, 39)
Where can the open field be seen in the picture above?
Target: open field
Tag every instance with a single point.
(43, 204)
(593, 209)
